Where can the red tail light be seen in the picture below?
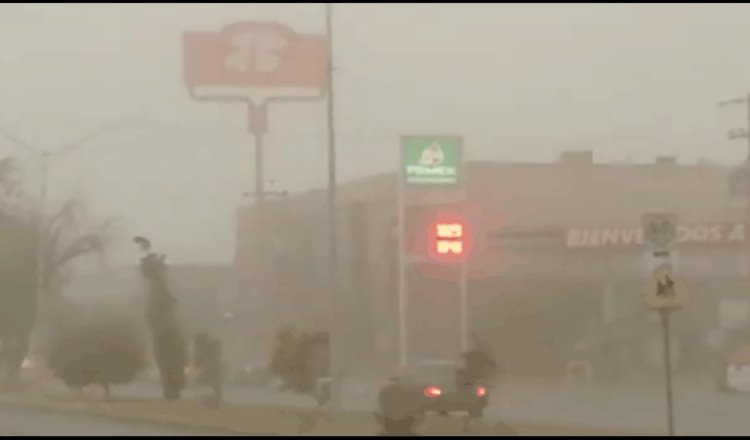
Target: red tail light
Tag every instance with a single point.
(432, 392)
(480, 391)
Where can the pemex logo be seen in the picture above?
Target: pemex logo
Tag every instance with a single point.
(432, 156)
(431, 160)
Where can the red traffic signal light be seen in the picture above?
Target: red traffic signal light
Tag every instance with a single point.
(450, 239)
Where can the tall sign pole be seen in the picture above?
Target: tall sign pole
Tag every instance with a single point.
(257, 126)
(336, 334)
(426, 161)
(256, 63)
(464, 309)
(664, 292)
(403, 347)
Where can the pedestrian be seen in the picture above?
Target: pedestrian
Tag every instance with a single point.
(207, 360)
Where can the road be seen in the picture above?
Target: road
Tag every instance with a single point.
(28, 422)
(640, 405)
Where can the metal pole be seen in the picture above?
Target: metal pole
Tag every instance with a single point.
(747, 159)
(336, 343)
(45, 157)
(41, 226)
(260, 204)
(747, 180)
(668, 369)
(403, 348)
(464, 306)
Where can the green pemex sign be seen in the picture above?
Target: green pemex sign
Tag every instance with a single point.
(431, 160)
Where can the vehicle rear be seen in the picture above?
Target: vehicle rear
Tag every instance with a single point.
(445, 393)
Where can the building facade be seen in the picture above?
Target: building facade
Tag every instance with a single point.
(559, 261)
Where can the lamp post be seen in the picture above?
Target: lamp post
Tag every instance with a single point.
(45, 156)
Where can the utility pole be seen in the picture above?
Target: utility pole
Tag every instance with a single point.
(45, 156)
(41, 216)
(335, 331)
(744, 173)
(747, 158)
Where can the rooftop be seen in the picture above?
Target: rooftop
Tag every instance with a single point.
(570, 194)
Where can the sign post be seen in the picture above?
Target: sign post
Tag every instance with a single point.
(427, 160)
(664, 315)
(464, 280)
(256, 63)
(664, 292)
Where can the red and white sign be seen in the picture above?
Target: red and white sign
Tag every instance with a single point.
(700, 234)
(256, 55)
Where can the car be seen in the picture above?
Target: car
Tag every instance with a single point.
(445, 395)
(34, 371)
(251, 375)
(431, 387)
(322, 391)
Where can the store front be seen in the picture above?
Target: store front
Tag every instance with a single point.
(556, 271)
(584, 288)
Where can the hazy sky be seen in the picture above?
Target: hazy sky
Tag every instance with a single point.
(520, 82)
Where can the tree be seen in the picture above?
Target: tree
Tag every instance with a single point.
(18, 301)
(102, 350)
(300, 358)
(170, 348)
(65, 238)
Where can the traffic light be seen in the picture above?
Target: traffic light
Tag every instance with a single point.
(450, 238)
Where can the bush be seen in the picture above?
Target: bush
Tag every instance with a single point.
(97, 352)
(300, 358)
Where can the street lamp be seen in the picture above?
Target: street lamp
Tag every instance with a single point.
(45, 156)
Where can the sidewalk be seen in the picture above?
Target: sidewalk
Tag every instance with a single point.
(699, 409)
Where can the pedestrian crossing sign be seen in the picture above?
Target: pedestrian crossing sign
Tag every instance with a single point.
(664, 290)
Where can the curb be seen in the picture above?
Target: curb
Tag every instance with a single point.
(178, 427)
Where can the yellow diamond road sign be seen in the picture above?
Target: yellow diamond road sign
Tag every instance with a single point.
(665, 291)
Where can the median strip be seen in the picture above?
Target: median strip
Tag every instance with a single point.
(234, 419)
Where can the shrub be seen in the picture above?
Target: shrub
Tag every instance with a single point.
(97, 352)
(300, 357)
